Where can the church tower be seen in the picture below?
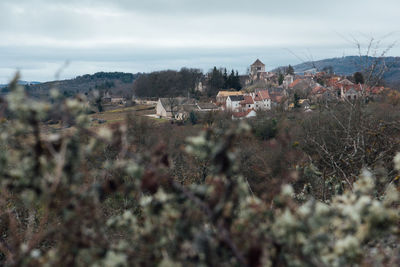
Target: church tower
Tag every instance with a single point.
(257, 67)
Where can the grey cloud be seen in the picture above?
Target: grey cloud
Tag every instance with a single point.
(39, 35)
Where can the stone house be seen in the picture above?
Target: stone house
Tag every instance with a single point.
(262, 100)
(175, 107)
(179, 108)
(350, 94)
(108, 99)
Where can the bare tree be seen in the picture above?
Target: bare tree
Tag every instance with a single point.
(372, 61)
(345, 136)
(172, 105)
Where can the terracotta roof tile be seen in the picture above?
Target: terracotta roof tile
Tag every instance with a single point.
(247, 100)
(277, 97)
(241, 114)
(261, 95)
(294, 83)
(318, 90)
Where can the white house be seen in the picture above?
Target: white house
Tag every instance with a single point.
(244, 114)
(233, 102)
(247, 103)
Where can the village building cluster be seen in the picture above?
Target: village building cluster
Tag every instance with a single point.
(262, 92)
(335, 88)
(247, 104)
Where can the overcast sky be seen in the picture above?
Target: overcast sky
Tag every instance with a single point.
(39, 36)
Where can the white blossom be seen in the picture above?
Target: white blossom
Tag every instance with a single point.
(105, 133)
(348, 244)
(397, 161)
(115, 259)
(287, 190)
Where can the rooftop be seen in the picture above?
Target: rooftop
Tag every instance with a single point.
(173, 103)
(261, 95)
(236, 97)
(258, 63)
(247, 100)
(207, 106)
(242, 114)
(229, 93)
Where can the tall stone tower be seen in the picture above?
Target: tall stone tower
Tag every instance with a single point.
(257, 67)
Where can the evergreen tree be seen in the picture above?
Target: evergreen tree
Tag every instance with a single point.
(290, 70)
(238, 86)
(217, 81)
(358, 78)
(328, 69)
(280, 78)
(296, 100)
(231, 80)
(99, 104)
(225, 79)
(192, 117)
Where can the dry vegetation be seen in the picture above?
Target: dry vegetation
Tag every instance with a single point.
(283, 189)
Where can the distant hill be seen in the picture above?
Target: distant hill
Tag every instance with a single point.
(116, 83)
(351, 64)
(28, 83)
(21, 83)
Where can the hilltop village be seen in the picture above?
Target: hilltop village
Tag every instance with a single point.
(175, 95)
(283, 89)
